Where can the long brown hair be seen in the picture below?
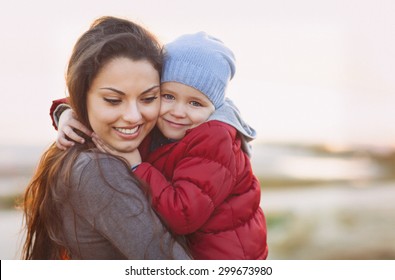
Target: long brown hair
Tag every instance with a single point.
(106, 39)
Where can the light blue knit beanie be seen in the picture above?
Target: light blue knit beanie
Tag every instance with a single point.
(202, 62)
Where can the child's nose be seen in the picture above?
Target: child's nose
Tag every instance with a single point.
(179, 110)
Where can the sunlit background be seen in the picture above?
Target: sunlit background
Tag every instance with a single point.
(314, 78)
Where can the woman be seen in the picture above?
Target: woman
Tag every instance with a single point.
(87, 205)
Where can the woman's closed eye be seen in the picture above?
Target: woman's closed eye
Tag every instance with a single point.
(149, 99)
(112, 101)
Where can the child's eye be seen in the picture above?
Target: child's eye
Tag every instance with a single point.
(168, 96)
(196, 104)
(112, 101)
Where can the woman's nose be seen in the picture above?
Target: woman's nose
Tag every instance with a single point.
(132, 113)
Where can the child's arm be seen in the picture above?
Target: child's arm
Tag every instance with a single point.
(201, 181)
(64, 120)
(57, 108)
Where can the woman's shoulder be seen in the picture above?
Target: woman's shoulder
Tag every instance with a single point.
(97, 176)
(100, 184)
(88, 158)
(98, 165)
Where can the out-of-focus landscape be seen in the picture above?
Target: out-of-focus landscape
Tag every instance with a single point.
(320, 201)
(324, 202)
(314, 78)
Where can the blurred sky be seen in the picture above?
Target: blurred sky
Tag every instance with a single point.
(307, 71)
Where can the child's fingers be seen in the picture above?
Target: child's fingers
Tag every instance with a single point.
(62, 143)
(68, 130)
(76, 124)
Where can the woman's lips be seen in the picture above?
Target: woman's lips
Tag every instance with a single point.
(128, 133)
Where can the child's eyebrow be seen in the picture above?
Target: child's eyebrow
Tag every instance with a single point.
(167, 90)
(122, 93)
(200, 99)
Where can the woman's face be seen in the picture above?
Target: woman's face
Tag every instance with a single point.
(123, 103)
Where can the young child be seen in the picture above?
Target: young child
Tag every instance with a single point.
(196, 160)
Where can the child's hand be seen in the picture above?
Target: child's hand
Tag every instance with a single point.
(133, 157)
(67, 123)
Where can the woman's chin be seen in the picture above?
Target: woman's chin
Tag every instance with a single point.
(125, 149)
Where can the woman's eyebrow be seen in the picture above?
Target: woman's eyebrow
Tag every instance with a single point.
(150, 89)
(122, 93)
(115, 90)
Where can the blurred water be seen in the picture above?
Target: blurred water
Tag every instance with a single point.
(14, 156)
(11, 186)
(281, 161)
(17, 164)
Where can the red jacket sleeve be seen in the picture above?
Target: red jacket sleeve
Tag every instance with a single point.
(202, 179)
(55, 104)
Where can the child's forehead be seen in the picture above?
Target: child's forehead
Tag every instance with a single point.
(182, 90)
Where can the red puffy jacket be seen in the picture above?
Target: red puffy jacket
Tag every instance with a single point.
(203, 187)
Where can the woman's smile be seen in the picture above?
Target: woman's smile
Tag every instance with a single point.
(128, 133)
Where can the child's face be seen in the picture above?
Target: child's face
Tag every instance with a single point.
(182, 108)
